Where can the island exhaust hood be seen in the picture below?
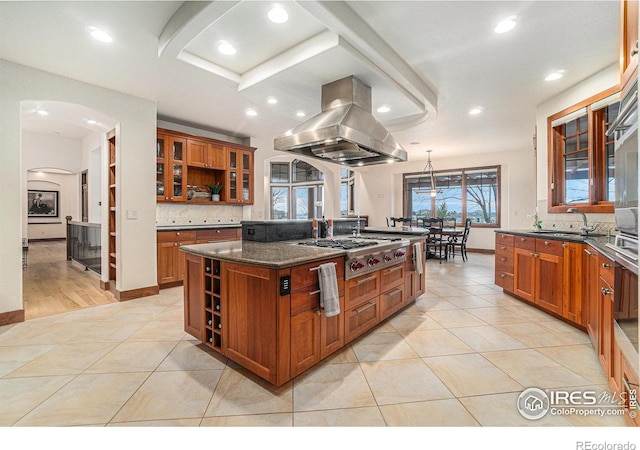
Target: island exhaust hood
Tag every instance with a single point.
(345, 132)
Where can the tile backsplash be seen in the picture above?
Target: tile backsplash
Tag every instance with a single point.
(573, 222)
(168, 214)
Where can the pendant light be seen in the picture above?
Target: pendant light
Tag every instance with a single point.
(428, 172)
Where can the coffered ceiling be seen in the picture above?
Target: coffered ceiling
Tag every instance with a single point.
(429, 62)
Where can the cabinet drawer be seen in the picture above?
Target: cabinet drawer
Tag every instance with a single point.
(391, 301)
(550, 247)
(361, 318)
(365, 287)
(176, 236)
(525, 242)
(504, 251)
(392, 276)
(607, 269)
(307, 274)
(309, 298)
(504, 264)
(222, 234)
(504, 239)
(505, 281)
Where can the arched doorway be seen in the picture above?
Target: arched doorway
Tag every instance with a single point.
(63, 161)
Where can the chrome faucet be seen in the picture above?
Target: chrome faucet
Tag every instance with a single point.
(584, 228)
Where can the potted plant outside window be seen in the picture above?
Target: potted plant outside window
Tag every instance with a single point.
(215, 191)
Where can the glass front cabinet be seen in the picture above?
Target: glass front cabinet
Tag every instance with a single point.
(240, 176)
(171, 168)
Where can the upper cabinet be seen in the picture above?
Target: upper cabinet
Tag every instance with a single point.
(187, 164)
(628, 43)
(171, 168)
(240, 176)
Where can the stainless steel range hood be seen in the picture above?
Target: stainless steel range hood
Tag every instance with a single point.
(345, 132)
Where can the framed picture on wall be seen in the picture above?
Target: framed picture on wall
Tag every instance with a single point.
(42, 203)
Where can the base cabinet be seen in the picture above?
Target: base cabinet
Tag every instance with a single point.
(248, 314)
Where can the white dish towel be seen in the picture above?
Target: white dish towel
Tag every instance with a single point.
(329, 295)
(417, 257)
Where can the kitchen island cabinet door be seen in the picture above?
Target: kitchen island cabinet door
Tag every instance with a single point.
(305, 340)
(249, 318)
(194, 297)
(331, 332)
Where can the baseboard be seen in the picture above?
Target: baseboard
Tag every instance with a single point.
(123, 296)
(485, 251)
(7, 318)
(171, 284)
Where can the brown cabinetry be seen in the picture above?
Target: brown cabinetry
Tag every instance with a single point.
(206, 155)
(171, 261)
(538, 272)
(414, 281)
(591, 268)
(314, 336)
(185, 162)
(239, 176)
(171, 167)
(504, 258)
(629, 43)
(605, 338)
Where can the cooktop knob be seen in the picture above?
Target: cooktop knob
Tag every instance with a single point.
(399, 254)
(356, 265)
(387, 258)
(373, 261)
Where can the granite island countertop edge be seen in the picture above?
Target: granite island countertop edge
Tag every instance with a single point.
(597, 242)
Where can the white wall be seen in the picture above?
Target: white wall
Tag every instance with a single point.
(136, 118)
(92, 156)
(595, 84)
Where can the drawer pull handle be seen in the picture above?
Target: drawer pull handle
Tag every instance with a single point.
(606, 266)
(502, 275)
(531, 254)
(503, 259)
(588, 252)
(318, 267)
(394, 269)
(314, 292)
(392, 293)
(523, 239)
(364, 308)
(546, 243)
(364, 280)
(605, 291)
(564, 245)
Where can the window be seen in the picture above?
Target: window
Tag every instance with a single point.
(581, 158)
(347, 185)
(462, 193)
(297, 190)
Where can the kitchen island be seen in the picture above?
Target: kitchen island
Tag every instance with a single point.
(258, 303)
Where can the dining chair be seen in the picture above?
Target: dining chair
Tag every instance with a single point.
(460, 241)
(436, 242)
(449, 222)
(406, 221)
(391, 221)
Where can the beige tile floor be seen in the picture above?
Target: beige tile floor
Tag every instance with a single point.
(458, 357)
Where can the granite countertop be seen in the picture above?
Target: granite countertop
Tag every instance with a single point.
(274, 255)
(204, 226)
(598, 242)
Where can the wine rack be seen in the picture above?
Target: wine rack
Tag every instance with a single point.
(212, 304)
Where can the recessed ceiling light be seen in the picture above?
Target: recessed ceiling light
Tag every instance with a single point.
(251, 112)
(414, 143)
(390, 161)
(226, 48)
(554, 76)
(301, 114)
(100, 35)
(384, 109)
(277, 14)
(272, 100)
(475, 111)
(42, 112)
(360, 164)
(506, 25)
(91, 121)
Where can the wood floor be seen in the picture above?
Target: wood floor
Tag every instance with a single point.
(53, 285)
